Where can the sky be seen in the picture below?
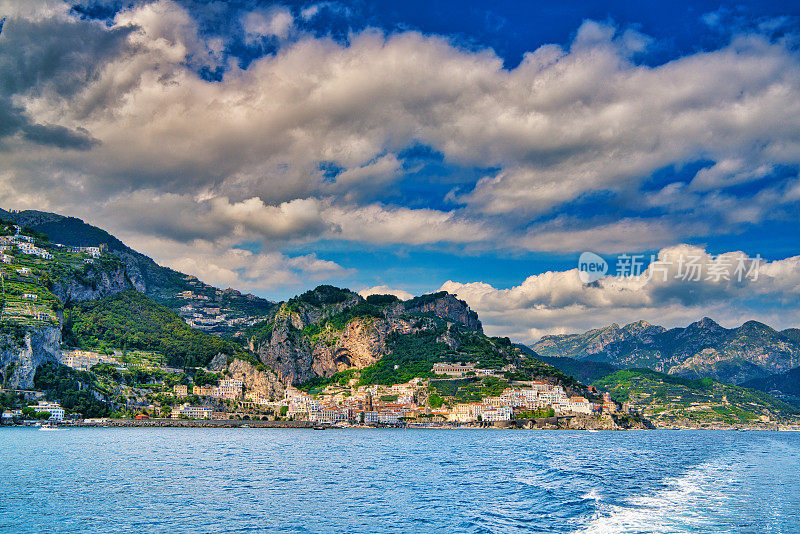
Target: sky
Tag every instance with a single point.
(410, 147)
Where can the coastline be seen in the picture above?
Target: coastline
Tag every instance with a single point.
(541, 424)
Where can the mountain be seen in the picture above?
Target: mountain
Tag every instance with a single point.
(586, 371)
(702, 349)
(45, 282)
(183, 293)
(330, 334)
(785, 386)
(669, 400)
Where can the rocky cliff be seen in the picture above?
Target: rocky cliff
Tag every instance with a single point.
(262, 382)
(98, 283)
(23, 350)
(329, 329)
(440, 304)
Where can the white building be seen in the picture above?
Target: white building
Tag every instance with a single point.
(452, 369)
(388, 418)
(467, 412)
(331, 415)
(580, 405)
(55, 410)
(194, 412)
(498, 413)
(82, 360)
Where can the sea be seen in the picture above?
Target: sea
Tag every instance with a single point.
(196, 481)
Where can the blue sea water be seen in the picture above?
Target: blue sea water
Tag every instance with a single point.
(199, 481)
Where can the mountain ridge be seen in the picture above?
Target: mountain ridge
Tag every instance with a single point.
(701, 349)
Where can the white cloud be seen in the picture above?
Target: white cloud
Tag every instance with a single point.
(563, 123)
(385, 290)
(277, 21)
(131, 129)
(558, 302)
(223, 264)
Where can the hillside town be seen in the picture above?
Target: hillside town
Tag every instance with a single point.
(412, 403)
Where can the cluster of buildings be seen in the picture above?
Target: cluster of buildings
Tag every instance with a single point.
(391, 405)
(205, 313)
(53, 408)
(25, 244)
(94, 252)
(82, 360)
(228, 388)
(539, 395)
(365, 407)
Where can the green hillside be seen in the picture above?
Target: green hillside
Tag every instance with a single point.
(585, 371)
(785, 386)
(131, 320)
(162, 284)
(671, 400)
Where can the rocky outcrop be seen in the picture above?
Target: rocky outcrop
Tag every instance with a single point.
(360, 344)
(297, 358)
(96, 284)
(442, 304)
(329, 330)
(262, 382)
(21, 356)
(606, 422)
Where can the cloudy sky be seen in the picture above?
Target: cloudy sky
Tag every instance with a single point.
(412, 146)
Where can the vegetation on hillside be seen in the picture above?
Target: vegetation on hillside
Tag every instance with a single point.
(784, 385)
(586, 371)
(133, 321)
(76, 391)
(672, 399)
(468, 389)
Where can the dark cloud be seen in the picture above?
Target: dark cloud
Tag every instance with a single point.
(59, 136)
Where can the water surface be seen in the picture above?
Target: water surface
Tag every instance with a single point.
(397, 481)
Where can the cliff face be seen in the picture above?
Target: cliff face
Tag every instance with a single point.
(323, 332)
(442, 305)
(25, 345)
(98, 284)
(20, 357)
(297, 358)
(261, 382)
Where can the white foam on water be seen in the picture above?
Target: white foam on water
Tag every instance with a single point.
(682, 506)
(592, 495)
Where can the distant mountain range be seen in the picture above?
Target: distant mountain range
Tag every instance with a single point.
(703, 349)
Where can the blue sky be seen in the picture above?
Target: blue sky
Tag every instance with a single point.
(412, 146)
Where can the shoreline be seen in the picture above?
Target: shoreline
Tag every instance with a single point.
(309, 425)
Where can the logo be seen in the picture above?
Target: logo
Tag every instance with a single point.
(591, 267)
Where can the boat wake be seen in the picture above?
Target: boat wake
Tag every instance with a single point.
(685, 504)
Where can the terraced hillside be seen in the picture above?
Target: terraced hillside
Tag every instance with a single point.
(670, 400)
